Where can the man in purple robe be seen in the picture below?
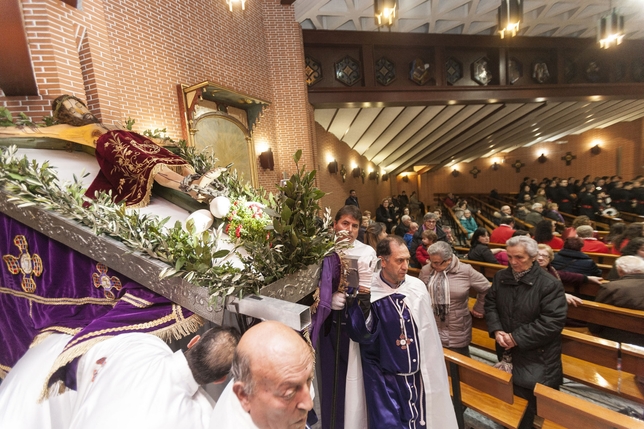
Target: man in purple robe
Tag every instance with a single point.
(329, 336)
(402, 358)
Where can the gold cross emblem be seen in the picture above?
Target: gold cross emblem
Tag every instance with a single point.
(102, 280)
(25, 263)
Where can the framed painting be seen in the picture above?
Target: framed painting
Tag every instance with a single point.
(228, 140)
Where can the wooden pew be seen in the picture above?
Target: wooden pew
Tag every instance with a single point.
(609, 315)
(588, 360)
(484, 222)
(584, 360)
(484, 389)
(459, 230)
(485, 268)
(561, 410)
(630, 217)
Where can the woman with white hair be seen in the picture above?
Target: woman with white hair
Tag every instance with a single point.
(525, 311)
(449, 282)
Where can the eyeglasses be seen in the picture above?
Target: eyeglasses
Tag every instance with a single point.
(438, 264)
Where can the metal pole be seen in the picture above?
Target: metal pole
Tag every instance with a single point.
(459, 410)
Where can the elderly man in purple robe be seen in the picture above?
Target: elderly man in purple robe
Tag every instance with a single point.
(406, 383)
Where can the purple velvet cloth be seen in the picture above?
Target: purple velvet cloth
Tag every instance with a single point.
(393, 383)
(46, 286)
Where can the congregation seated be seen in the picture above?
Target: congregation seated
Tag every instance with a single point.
(544, 234)
(632, 231)
(534, 217)
(572, 259)
(552, 212)
(403, 227)
(522, 210)
(591, 244)
(626, 292)
(506, 211)
(504, 231)
(468, 223)
(635, 247)
(479, 249)
(567, 278)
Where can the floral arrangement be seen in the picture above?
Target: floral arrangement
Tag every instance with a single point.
(247, 221)
(282, 233)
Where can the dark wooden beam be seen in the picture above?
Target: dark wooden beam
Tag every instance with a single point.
(16, 71)
(324, 98)
(402, 48)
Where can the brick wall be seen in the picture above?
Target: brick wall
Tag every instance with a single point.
(127, 57)
(621, 147)
(370, 193)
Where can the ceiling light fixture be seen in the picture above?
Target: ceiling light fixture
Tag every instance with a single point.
(385, 12)
(510, 16)
(611, 29)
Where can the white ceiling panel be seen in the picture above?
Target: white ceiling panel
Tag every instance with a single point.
(379, 125)
(342, 122)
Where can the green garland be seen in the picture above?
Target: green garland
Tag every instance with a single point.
(189, 256)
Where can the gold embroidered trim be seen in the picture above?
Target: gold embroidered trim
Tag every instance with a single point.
(178, 330)
(4, 370)
(44, 333)
(57, 301)
(135, 300)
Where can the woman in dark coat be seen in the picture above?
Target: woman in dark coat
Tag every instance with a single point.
(525, 311)
(479, 249)
(384, 214)
(572, 259)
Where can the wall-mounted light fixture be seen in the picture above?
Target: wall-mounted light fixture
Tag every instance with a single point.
(542, 158)
(510, 16)
(455, 173)
(385, 176)
(333, 167)
(596, 150)
(405, 178)
(495, 166)
(266, 159)
(356, 172)
(231, 3)
(372, 175)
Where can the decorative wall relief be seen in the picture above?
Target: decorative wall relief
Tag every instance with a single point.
(313, 70)
(540, 72)
(568, 157)
(347, 71)
(482, 71)
(454, 71)
(475, 171)
(593, 71)
(420, 72)
(515, 70)
(517, 165)
(385, 71)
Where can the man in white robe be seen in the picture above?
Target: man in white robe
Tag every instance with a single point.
(271, 387)
(406, 383)
(20, 391)
(135, 381)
